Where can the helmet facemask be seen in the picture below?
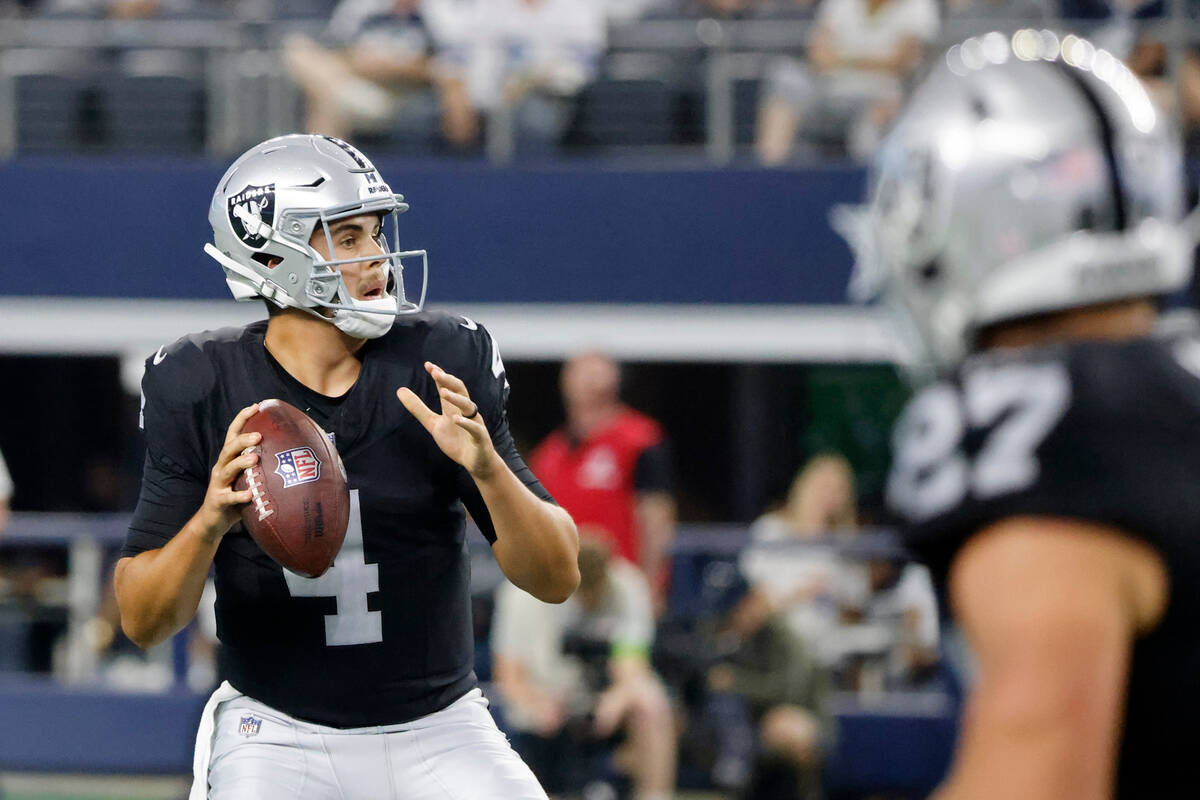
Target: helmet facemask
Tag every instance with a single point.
(327, 289)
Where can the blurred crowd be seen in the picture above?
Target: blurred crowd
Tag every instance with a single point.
(434, 76)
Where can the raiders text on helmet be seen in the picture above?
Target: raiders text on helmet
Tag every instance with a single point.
(265, 210)
(1027, 174)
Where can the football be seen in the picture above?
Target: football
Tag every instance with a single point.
(301, 503)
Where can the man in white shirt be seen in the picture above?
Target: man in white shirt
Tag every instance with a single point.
(859, 53)
(378, 68)
(530, 58)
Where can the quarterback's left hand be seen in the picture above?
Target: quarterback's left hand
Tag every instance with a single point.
(459, 429)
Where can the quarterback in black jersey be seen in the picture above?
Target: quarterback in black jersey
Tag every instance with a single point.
(358, 683)
(1024, 219)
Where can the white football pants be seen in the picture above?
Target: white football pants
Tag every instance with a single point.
(246, 750)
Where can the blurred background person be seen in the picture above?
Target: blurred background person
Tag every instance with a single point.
(376, 72)
(871, 621)
(1072, 574)
(32, 594)
(888, 634)
(860, 53)
(820, 500)
(611, 466)
(576, 677)
(805, 583)
(529, 59)
(768, 701)
(14, 622)
(14, 590)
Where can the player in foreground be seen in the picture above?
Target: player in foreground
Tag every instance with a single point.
(1024, 219)
(357, 684)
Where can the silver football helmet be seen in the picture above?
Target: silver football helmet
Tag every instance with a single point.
(265, 210)
(1027, 174)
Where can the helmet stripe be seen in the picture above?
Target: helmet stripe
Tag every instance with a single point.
(1107, 135)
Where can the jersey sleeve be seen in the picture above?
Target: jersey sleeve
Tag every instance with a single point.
(488, 382)
(175, 473)
(1103, 435)
(483, 372)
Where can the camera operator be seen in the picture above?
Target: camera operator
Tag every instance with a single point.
(575, 678)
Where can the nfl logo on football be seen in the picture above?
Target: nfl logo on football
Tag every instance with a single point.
(297, 466)
(249, 726)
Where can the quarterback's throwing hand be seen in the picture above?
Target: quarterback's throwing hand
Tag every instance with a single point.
(459, 429)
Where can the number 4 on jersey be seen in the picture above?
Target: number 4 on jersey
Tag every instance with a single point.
(349, 580)
(1016, 405)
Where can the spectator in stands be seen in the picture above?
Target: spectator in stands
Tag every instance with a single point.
(860, 53)
(527, 60)
(27, 576)
(821, 500)
(805, 582)
(575, 675)
(376, 72)
(14, 623)
(611, 466)
(889, 631)
(767, 685)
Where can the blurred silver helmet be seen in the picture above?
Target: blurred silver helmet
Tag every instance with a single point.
(265, 210)
(1027, 174)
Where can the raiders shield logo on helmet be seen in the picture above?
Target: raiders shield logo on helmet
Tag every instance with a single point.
(251, 214)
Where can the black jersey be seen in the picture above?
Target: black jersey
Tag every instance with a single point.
(385, 635)
(1107, 432)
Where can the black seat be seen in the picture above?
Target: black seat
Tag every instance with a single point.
(627, 112)
(52, 113)
(162, 114)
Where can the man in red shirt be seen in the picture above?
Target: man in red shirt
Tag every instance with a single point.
(610, 466)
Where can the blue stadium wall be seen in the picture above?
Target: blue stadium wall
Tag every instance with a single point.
(128, 229)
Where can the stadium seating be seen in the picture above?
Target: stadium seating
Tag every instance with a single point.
(54, 106)
(153, 114)
(637, 112)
